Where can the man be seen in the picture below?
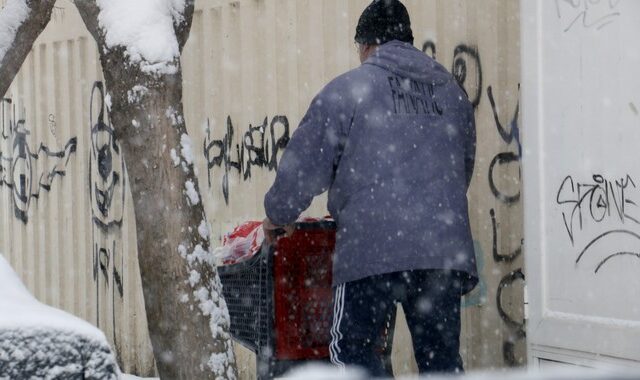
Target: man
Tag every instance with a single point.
(393, 141)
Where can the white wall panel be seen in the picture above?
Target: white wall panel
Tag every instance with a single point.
(581, 80)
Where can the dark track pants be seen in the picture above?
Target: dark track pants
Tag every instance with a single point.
(363, 311)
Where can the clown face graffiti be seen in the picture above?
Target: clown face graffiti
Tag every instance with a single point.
(106, 167)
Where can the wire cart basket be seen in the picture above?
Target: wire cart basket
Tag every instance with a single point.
(280, 300)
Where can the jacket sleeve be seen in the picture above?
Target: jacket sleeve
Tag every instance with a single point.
(470, 145)
(308, 163)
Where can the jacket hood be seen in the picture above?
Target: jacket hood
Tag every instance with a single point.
(405, 60)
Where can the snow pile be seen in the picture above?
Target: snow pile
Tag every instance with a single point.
(42, 353)
(12, 16)
(558, 371)
(27, 312)
(39, 341)
(145, 28)
(318, 371)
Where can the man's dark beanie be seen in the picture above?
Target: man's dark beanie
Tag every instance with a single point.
(384, 21)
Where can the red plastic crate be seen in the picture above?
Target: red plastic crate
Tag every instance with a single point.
(302, 269)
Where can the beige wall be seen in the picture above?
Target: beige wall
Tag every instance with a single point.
(246, 62)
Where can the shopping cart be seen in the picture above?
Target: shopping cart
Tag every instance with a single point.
(280, 300)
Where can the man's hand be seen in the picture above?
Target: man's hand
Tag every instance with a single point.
(271, 230)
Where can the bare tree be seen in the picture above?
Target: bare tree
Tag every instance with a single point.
(187, 316)
(18, 41)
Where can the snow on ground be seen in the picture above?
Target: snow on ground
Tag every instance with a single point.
(328, 372)
(317, 371)
(145, 29)
(39, 341)
(12, 16)
(133, 377)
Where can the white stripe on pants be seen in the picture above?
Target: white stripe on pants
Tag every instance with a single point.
(336, 335)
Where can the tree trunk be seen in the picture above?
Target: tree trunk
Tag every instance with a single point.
(25, 36)
(187, 316)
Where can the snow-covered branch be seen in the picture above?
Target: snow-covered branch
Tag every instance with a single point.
(21, 22)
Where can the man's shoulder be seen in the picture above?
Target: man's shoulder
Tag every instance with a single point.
(351, 85)
(348, 78)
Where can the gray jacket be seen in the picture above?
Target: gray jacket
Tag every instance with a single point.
(393, 141)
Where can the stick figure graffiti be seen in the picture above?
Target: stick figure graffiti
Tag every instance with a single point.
(19, 166)
(21, 172)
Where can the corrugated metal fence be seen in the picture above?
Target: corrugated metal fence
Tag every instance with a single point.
(251, 68)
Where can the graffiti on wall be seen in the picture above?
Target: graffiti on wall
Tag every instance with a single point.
(504, 159)
(506, 166)
(260, 148)
(600, 209)
(466, 68)
(23, 170)
(106, 167)
(587, 14)
(107, 186)
(517, 326)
